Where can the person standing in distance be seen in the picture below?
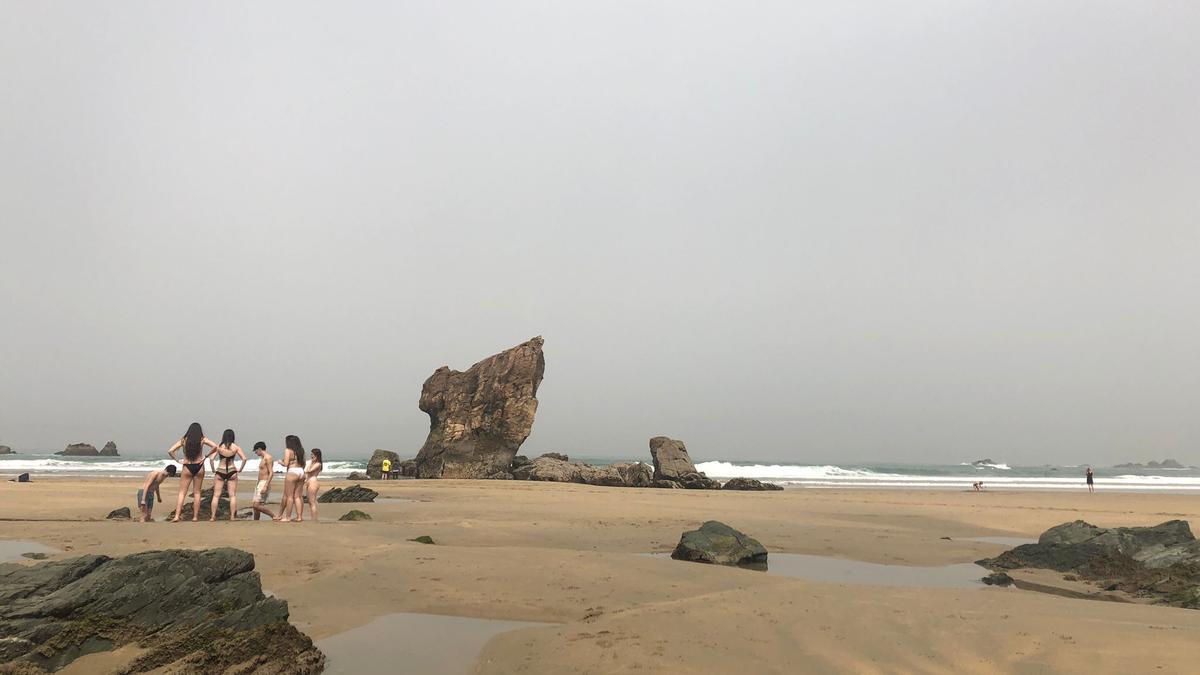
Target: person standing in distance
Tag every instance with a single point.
(1090, 482)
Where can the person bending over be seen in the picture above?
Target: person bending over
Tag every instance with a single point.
(149, 491)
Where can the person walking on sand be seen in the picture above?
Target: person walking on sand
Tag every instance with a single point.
(1091, 483)
(262, 490)
(311, 484)
(293, 480)
(224, 475)
(192, 476)
(149, 491)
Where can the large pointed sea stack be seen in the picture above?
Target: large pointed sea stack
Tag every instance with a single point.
(479, 418)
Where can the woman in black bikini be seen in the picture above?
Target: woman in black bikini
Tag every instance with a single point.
(193, 443)
(224, 475)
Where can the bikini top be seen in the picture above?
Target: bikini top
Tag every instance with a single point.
(226, 461)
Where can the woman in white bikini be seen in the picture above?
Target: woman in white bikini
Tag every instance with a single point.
(293, 480)
(192, 476)
(224, 475)
(311, 485)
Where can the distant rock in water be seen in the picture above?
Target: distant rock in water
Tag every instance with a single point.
(375, 464)
(719, 544)
(185, 611)
(479, 418)
(122, 513)
(354, 514)
(5, 450)
(1165, 464)
(984, 462)
(80, 450)
(354, 493)
(1161, 562)
(109, 450)
(749, 484)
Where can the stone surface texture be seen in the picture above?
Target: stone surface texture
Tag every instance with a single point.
(719, 544)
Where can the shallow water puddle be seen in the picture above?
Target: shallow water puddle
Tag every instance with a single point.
(1003, 541)
(11, 549)
(843, 571)
(413, 643)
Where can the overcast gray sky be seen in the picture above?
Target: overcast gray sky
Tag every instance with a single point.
(807, 231)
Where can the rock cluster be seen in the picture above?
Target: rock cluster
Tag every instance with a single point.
(80, 450)
(1165, 464)
(109, 450)
(122, 513)
(355, 514)
(1162, 562)
(375, 464)
(749, 484)
(205, 506)
(621, 474)
(480, 417)
(719, 544)
(354, 493)
(189, 611)
(5, 450)
(672, 463)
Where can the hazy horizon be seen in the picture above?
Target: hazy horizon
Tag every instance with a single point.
(809, 232)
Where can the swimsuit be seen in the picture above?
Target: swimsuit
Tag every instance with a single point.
(194, 468)
(262, 492)
(225, 465)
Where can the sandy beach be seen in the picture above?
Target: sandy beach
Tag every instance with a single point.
(568, 556)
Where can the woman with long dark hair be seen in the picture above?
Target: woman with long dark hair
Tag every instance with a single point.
(192, 443)
(293, 479)
(311, 485)
(224, 475)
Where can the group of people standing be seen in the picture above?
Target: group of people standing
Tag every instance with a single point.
(299, 478)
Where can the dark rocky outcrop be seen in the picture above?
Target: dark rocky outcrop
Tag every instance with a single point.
(998, 579)
(80, 450)
(355, 514)
(671, 459)
(5, 450)
(667, 484)
(1165, 464)
(190, 611)
(749, 484)
(375, 464)
(480, 417)
(22, 478)
(518, 462)
(621, 474)
(719, 544)
(205, 506)
(357, 475)
(423, 539)
(35, 555)
(122, 513)
(556, 455)
(698, 481)
(1162, 562)
(354, 493)
(109, 450)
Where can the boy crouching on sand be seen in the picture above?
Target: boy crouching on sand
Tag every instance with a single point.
(149, 490)
(262, 490)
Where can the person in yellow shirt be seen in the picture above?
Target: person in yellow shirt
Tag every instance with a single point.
(387, 469)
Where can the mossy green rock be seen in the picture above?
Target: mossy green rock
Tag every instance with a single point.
(423, 539)
(355, 514)
(719, 544)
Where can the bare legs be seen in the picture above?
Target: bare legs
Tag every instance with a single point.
(298, 500)
(186, 480)
(229, 486)
(314, 490)
(291, 485)
(218, 486)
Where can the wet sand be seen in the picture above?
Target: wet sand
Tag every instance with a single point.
(573, 556)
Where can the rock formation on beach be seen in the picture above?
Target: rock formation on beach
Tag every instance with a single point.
(479, 418)
(354, 514)
(354, 493)
(719, 544)
(1160, 562)
(109, 450)
(187, 611)
(80, 450)
(5, 450)
(749, 484)
(122, 513)
(1165, 464)
(673, 463)
(205, 506)
(551, 469)
(375, 464)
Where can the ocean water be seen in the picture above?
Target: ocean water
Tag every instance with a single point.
(998, 476)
